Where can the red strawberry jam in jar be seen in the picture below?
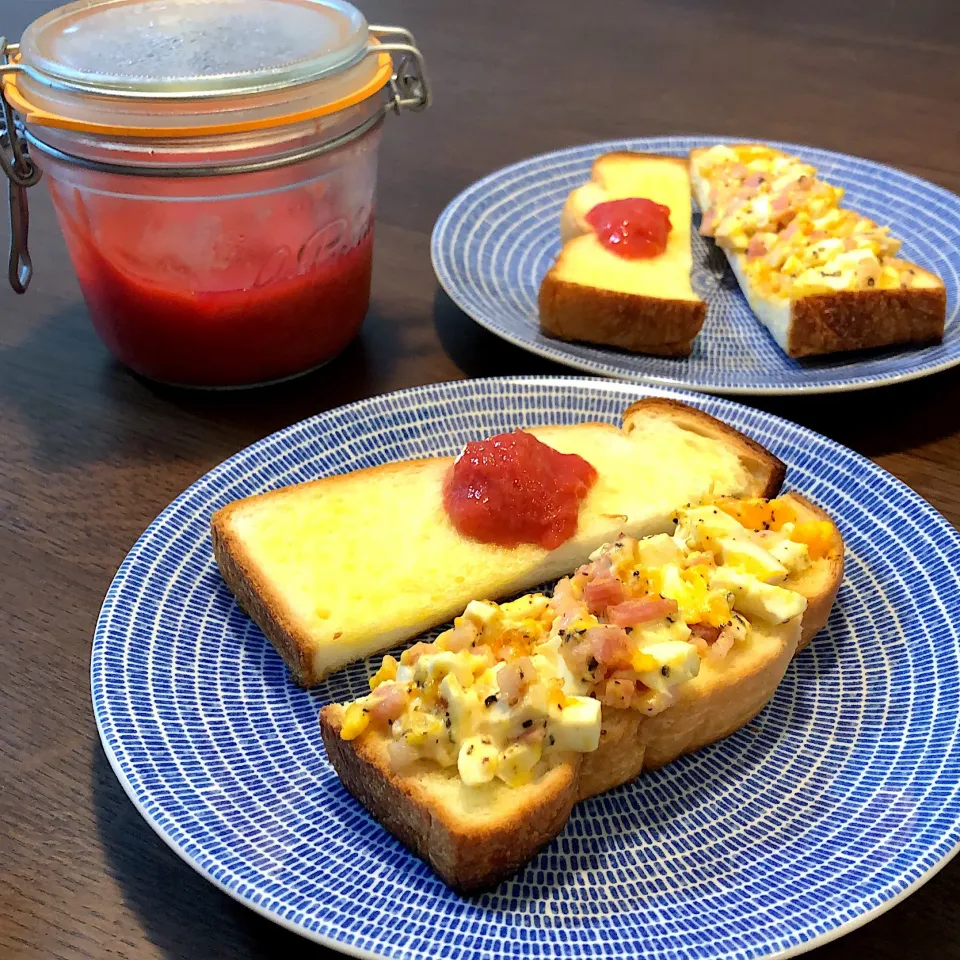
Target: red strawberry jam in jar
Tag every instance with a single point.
(213, 167)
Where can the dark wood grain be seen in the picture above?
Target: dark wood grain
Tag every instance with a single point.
(89, 454)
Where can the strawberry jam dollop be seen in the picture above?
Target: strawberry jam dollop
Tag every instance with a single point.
(514, 489)
(634, 228)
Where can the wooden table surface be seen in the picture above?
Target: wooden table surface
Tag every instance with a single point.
(89, 454)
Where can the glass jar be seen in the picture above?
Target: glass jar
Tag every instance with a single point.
(213, 169)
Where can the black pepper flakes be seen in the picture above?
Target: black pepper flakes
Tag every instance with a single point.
(490, 701)
(527, 724)
(664, 671)
(870, 281)
(551, 740)
(592, 664)
(469, 749)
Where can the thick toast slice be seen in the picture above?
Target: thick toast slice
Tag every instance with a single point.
(594, 295)
(473, 837)
(844, 320)
(342, 568)
(727, 693)
(474, 840)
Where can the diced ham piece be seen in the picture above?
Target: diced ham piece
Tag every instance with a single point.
(818, 235)
(849, 243)
(461, 636)
(578, 655)
(401, 754)
(565, 604)
(602, 593)
(618, 693)
(514, 678)
(754, 180)
(632, 613)
(607, 643)
(532, 736)
(705, 632)
(703, 648)
(739, 170)
(724, 642)
(780, 203)
(410, 656)
(789, 231)
(756, 247)
(709, 223)
(389, 701)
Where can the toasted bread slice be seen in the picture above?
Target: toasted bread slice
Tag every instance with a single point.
(594, 295)
(843, 320)
(728, 692)
(473, 837)
(338, 569)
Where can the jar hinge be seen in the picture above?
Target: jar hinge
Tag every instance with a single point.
(21, 173)
(408, 86)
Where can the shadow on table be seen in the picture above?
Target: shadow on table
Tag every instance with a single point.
(874, 422)
(78, 405)
(182, 914)
(480, 353)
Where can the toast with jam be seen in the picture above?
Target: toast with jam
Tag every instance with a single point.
(622, 277)
(344, 567)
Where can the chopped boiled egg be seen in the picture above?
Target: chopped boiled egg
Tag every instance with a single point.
(747, 556)
(477, 761)
(793, 555)
(676, 662)
(516, 763)
(511, 684)
(759, 599)
(576, 726)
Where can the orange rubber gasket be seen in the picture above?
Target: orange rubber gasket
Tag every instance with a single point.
(43, 118)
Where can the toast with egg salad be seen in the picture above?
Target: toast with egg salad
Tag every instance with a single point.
(622, 277)
(473, 749)
(820, 277)
(338, 569)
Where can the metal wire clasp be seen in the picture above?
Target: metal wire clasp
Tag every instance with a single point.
(21, 173)
(408, 86)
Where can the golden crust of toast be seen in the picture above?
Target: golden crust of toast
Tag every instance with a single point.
(473, 837)
(573, 311)
(864, 319)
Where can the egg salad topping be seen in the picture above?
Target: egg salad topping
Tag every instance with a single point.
(797, 239)
(510, 684)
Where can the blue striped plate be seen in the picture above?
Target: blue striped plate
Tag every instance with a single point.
(495, 242)
(840, 799)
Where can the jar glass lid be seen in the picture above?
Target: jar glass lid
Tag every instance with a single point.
(190, 48)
